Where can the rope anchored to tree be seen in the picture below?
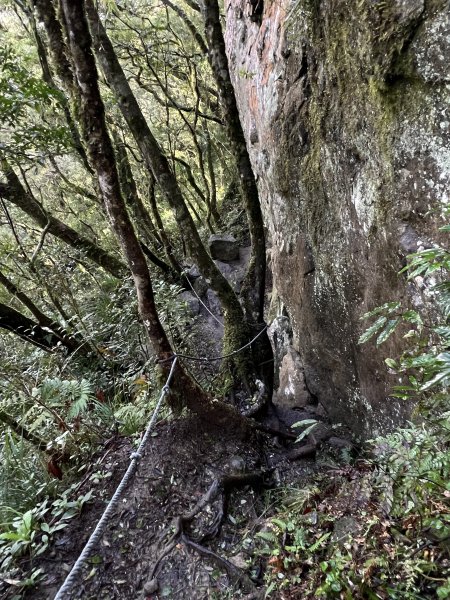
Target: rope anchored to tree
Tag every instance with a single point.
(135, 457)
(71, 579)
(214, 358)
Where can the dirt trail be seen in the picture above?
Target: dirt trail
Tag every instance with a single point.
(171, 480)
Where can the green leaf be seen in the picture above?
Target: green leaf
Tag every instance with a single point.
(28, 519)
(304, 422)
(388, 331)
(10, 536)
(438, 378)
(412, 316)
(373, 329)
(268, 536)
(306, 432)
(388, 308)
(318, 543)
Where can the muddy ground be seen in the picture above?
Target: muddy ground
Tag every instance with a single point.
(147, 551)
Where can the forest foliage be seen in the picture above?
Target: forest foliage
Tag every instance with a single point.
(77, 365)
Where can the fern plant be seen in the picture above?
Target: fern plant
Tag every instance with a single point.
(426, 362)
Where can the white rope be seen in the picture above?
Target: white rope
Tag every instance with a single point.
(201, 301)
(214, 358)
(98, 532)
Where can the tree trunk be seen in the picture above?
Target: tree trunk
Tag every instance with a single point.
(253, 288)
(15, 193)
(43, 320)
(46, 13)
(28, 330)
(142, 219)
(49, 79)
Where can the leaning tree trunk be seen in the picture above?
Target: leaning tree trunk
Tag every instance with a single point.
(43, 320)
(236, 327)
(30, 331)
(14, 192)
(102, 157)
(254, 284)
(253, 288)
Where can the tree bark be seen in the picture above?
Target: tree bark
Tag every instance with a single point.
(156, 162)
(28, 330)
(142, 219)
(49, 79)
(253, 288)
(14, 192)
(47, 14)
(43, 320)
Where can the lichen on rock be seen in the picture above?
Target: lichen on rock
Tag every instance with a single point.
(346, 112)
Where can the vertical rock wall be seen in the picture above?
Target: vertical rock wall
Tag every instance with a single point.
(346, 111)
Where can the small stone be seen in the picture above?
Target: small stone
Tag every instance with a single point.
(239, 561)
(237, 464)
(223, 247)
(344, 530)
(150, 587)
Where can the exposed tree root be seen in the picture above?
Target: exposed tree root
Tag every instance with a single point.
(306, 451)
(261, 400)
(219, 488)
(236, 575)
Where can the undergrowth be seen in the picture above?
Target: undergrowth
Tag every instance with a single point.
(379, 527)
(62, 409)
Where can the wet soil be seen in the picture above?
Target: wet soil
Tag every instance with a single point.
(139, 556)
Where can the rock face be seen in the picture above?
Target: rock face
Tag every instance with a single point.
(292, 391)
(346, 112)
(223, 247)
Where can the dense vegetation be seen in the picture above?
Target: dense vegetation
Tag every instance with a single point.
(113, 175)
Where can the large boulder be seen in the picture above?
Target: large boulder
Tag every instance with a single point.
(223, 247)
(345, 108)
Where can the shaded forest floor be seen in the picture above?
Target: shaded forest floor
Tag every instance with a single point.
(136, 553)
(280, 527)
